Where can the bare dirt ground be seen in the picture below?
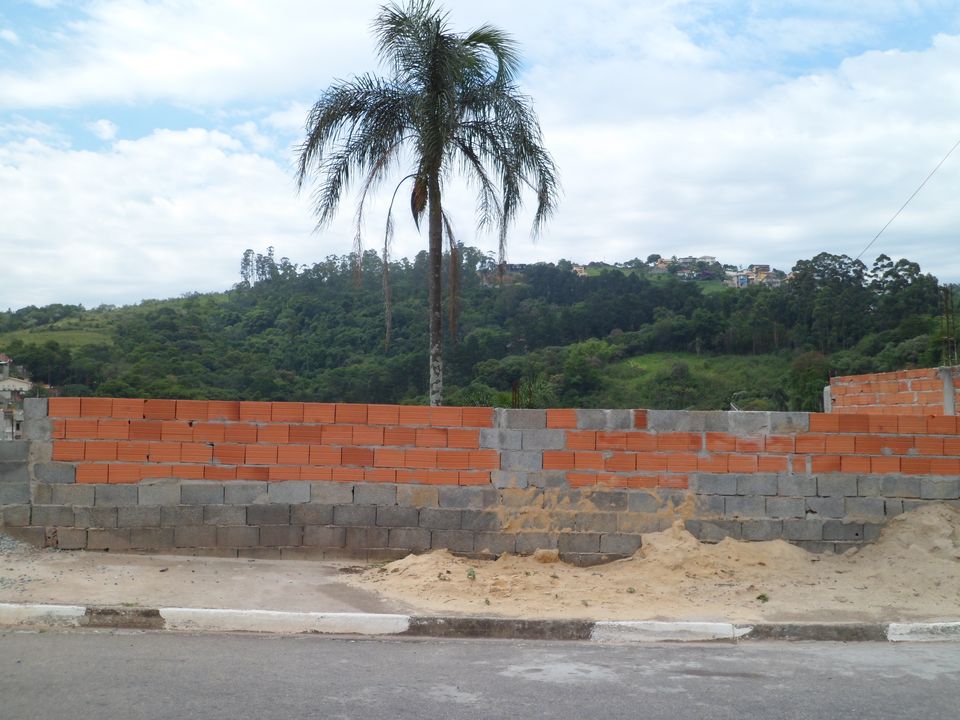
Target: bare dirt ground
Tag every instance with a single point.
(911, 573)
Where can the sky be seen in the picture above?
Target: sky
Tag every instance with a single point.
(145, 145)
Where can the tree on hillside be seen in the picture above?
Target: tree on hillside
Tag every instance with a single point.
(449, 103)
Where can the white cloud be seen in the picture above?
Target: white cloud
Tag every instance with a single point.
(103, 129)
(8, 35)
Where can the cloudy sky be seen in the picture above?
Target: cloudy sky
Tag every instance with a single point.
(144, 145)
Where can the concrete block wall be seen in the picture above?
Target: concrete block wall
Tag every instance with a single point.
(378, 481)
(924, 391)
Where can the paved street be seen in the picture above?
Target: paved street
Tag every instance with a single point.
(127, 675)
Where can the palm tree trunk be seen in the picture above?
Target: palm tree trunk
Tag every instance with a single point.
(436, 295)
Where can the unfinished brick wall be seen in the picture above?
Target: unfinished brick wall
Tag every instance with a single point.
(903, 392)
(313, 479)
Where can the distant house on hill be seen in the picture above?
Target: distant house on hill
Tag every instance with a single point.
(12, 391)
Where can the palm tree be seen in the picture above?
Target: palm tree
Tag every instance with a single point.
(449, 103)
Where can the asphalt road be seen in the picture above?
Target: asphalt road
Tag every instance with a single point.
(127, 675)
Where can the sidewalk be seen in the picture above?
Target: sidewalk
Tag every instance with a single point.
(50, 588)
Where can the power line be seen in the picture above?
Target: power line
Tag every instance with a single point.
(897, 213)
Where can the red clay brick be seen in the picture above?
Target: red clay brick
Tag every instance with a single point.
(346, 474)
(216, 472)
(682, 462)
(716, 463)
(582, 440)
(621, 462)
(411, 476)
(640, 419)
(750, 444)
(868, 444)
(581, 479)
(196, 472)
(273, 434)
(928, 445)
(58, 430)
(196, 452)
(192, 410)
(379, 475)
(96, 407)
(821, 422)
(431, 437)
(260, 455)
(674, 482)
(133, 451)
(306, 433)
(324, 455)
(223, 410)
(882, 424)
(852, 423)
(128, 408)
(942, 425)
(209, 432)
(478, 417)
(414, 415)
(561, 419)
(89, 473)
(80, 429)
(388, 457)
(825, 463)
(319, 412)
(442, 477)
(485, 459)
(256, 411)
(854, 464)
(113, 429)
(367, 435)
(473, 477)
(149, 472)
(240, 433)
(944, 466)
(160, 409)
(721, 442)
(463, 438)
(907, 425)
(453, 459)
(315, 474)
(253, 472)
(800, 464)
(124, 473)
(559, 460)
(68, 450)
(884, 464)
(286, 412)
(420, 458)
(63, 407)
(357, 456)
(742, 463)
(636, 481)
(841, 444)
(780, 444)
(281, 473)
(446, 416)
(951, 446)
(611, 441)
(915, 465)
(100, 450)
(293, 454)
(813, 443)
(585, 460)
(641, 442)
(146, 429)
(344, 413)
(383, 414)
(175, 430)
(337, 434)
(679, 441)
(652, 461)
(400, 436)
(230, 454)
(159, 452)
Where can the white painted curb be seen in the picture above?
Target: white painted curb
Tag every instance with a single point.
(923, 632)
(653, 631)
(206, 619)
(46, 615)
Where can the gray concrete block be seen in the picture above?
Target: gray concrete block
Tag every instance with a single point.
(363, 538)
(828, 507)
(865, 508)
(151, 538)
(14, 473)
(620, 544)
(708, 506)
(739, 506)
(35, 536)
(375, 494)
(14, 451)
(529, 499)
(706, 484)
(502, 479)
(452, 540)
(194, 536)
(544, 440)
(37, 431)
(108, 539)
(672, 499)
(608, 500)
(530, 542)
(604, 419)
(395, 516)
(417, 496)
(331, 493)
(292, 492)
(440, 518)
(833, 485)
(520, 419)
(71, 494)
(839, 530)
(757, 484)
(787, 423)
(761, 530)
(783, 507)
(892, 508)
(749, 422)
(595, 522)
(909, 505)
(281, 535)
(547, 479)
(887, 486)
(71, 538)
(161, 493)
(178, 515)
(310, 514)
(579, 542)
(237, 536)
(138, 516)
(42, 494)
(642, 502)
(713, 531)
(871, 531)
(939, 488)
(34, 408)
(324, 536)
(95, 517)
(413, 539)
(803, 529)
(495, 543)
(524, 460)
(497, 439)
(355, 515)
(14, 516)
(55, 473)
(467, 498)
(680, 421)
(479, 520)
(200, 492)
(52, 515)
(226, 514)
(279, 514)
(245, 492)
(796, 485)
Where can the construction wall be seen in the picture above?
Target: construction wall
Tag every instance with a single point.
(321, 480)
(927, 391)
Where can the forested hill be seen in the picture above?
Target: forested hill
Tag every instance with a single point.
(616, 339)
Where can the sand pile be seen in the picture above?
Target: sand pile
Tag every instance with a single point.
(911, 573)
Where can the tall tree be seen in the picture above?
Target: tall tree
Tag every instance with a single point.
(449, 103)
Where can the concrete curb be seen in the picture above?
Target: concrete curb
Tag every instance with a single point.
(373, 624)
